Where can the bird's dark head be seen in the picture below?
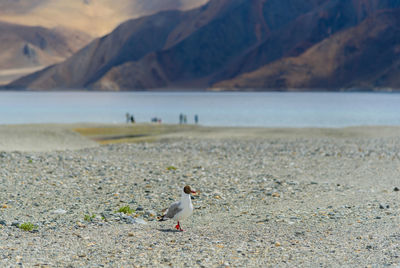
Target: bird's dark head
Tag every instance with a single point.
(188, 190)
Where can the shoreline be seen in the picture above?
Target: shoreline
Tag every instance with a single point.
(48, 137)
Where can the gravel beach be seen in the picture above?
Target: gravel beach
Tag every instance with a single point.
(286, 198)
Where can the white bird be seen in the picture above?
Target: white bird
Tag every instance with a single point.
(180, 210)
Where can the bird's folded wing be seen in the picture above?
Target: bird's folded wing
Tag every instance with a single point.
(174, 209)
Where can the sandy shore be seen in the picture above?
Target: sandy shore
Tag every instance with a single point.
(53, 137)
(268, 197)
(41, 137)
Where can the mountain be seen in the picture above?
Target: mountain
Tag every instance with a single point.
(93, 17)
(237, 44)
(24, 49)
(364, 57)
(65, 26)
(167, 49)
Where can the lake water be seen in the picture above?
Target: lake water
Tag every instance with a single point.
(213, 109)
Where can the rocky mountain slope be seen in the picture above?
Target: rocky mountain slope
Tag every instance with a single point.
(364, 57)
(94, 17)
(65, 27)
(24, 49)
(237, 44)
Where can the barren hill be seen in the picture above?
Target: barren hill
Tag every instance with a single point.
(366, 56)
(239, 44)
(94, 17)
(24, 49)
(65, 27)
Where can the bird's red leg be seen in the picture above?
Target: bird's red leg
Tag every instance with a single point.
(178, 227)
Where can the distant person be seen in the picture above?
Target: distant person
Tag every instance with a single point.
(128, 118)
(196, 119)
(132, 119)
(185, 119)
(180, 119)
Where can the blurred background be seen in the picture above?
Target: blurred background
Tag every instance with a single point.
(290, 63)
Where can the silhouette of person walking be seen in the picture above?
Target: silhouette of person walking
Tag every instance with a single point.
(196, 119)
(180, 119)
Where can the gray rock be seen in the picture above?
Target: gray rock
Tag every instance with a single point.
(131, 220)
(140, 221)
(59, 211)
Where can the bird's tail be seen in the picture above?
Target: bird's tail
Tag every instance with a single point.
(162, 218)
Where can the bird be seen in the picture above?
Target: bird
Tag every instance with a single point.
(180, 210)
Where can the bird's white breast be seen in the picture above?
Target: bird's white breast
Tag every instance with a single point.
(184, 213)
(187, 208)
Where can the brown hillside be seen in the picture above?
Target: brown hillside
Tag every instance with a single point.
(366, 56)
(235, 41)
(24, 49)
(94, 17)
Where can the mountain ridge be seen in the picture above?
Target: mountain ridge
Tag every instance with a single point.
(232, 45)
(93, 17)
(27, 48)
(333, 63)
(75, 22)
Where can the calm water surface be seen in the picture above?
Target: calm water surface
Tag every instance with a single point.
(214, 109)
